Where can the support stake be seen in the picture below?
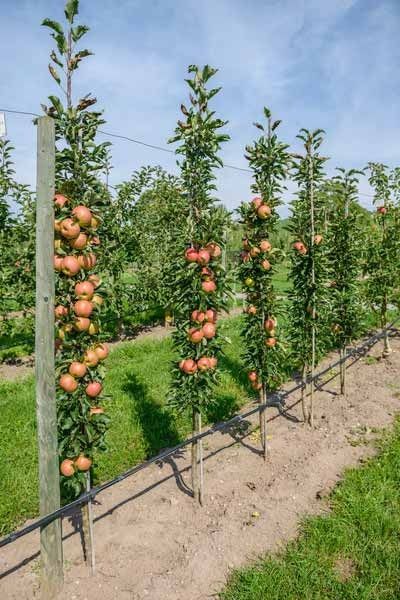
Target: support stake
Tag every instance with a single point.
(46, 411)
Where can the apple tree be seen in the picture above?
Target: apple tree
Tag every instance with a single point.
(309, 268)
(345, 256)
(79, 200)
(198, 276)
(268, 159)
(383, 247)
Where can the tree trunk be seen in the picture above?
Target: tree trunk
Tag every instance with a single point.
(311, 404)
(87, 530)
(386, 345)
(263, 423)
(304, 394)
(197, 460)
(342, 357)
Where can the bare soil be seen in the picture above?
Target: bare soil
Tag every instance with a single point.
(153, 542)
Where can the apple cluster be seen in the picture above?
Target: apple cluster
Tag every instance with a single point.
(256, 265)
(81, 300)
(204, 319)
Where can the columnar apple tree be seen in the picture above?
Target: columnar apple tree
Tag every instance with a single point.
(345, 254)
(382, 265)
(309, 271)
(199, 277)
(17, 244)
(268, 160)
(79, 290)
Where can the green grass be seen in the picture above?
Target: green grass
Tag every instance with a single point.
(138, 376)
(351, 554)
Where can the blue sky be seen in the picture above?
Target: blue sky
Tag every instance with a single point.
(316, 63)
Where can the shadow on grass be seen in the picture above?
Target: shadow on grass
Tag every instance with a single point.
(157, 423)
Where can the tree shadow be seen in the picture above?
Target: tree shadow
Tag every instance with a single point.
(227, 404)
(158, 425)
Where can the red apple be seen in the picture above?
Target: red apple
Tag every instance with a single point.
(208, 286)
(203, 364)
(81, 324)
(70, 266)
(83, 215)
(188, 366)
(69, 229)
(264, 211)
(211, 315)
(209, 330)
(266, 265)
(77, 369)
(270, 324)
(80, 242)
(60, 201)
(84, 290)
(198, 316)
(265, 246)
(213, 249)
(191, 255)
(68, 383)
(83, 308)
(203, 256)
(93, 389)
(195, 335)
(67, 467)
(257, 201)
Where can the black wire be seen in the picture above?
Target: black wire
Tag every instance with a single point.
(153, 146)
(90, 495)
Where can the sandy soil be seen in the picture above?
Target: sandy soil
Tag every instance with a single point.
(153, 542)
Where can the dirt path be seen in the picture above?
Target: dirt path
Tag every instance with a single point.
(153, 542)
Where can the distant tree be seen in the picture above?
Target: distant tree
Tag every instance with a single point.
(309, 268)
(383, 246)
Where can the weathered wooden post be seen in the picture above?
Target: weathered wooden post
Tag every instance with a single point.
(49, 484)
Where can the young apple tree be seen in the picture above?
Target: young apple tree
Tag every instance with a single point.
(198, 277)
(309, 270)
(345, 255)
(382, 261)
(268, 159)
(79, 200)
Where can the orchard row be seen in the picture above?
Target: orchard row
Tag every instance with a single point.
(169, 234)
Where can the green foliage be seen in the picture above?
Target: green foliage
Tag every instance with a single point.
(80, 161)
(382, 267)
(268, 158)
(200, 142)
(346, 241)
(148, 222)
(309, 265)
(17, 242)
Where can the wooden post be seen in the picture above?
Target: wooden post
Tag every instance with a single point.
(49, 479)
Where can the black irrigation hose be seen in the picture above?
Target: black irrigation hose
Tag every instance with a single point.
(90, 495)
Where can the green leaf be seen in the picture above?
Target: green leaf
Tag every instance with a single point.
(57, 27)
(78, 32)
(54, 74)
(71, 10)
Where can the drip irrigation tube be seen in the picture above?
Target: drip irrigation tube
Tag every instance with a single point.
(93, 492)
